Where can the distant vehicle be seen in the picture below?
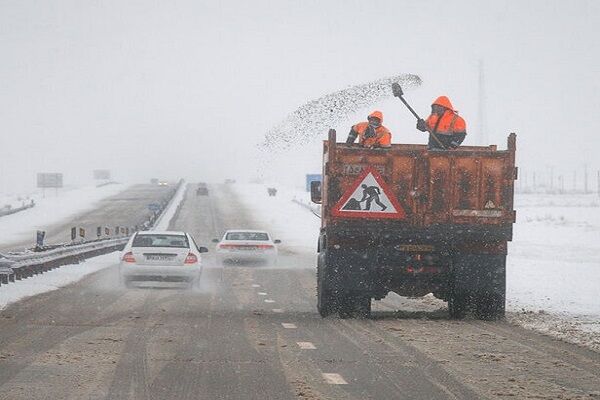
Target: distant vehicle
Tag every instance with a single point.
(272, 192)
(168, 256)
(229, 181)
(246, 245)
(202, 191)
(163, 183)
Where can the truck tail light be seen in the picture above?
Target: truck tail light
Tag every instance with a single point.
(128, 257)
(191, 259)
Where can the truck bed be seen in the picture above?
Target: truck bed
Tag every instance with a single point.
(471, 186)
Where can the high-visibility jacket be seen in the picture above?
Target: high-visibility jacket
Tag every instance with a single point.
(369, 136)
(450, 129)
(449, 123)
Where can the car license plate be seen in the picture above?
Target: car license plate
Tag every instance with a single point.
(159, 258)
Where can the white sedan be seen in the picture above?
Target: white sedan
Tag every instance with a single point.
(247, 246)
(168, 256)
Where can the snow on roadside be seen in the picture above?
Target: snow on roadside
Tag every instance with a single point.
(296, 226)
(553, 266)
(165, 219)
(53, 280)
(52, 210)
(67, 274)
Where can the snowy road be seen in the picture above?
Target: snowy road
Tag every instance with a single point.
(254, 333)
(127, 207)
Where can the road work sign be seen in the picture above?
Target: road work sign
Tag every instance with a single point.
(369, 197)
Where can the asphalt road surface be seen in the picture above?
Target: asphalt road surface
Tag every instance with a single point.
(252, 332)
(126, 209)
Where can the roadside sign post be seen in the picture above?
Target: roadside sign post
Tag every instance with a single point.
(73, 233)
(39, 238)
(49, 180)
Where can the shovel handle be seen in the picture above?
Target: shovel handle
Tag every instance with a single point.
(409, 107)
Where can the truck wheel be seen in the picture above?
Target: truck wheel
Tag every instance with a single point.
(489, 306)
(355, 306)
(457, 305)
(326, 298)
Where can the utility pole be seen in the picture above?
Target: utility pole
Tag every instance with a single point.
(585, 179)
(561, 184)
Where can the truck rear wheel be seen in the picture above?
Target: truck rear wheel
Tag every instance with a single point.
(457, 305)
(355, 306)
(326, 295)
(489, 306)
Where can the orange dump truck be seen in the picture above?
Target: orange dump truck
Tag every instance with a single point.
(414, 221)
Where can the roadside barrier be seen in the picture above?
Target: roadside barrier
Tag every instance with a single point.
(18, 266)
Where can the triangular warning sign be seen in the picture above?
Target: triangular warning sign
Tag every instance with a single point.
(369, 197)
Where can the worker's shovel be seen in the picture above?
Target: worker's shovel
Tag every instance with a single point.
(397, 90)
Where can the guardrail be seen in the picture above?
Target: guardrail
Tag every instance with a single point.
(27, 264)
(18, 266)
(9, 211)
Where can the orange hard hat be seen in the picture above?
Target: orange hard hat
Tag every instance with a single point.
(377, 114)
(444, 102)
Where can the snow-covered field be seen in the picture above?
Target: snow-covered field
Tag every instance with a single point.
(553, 271)
(54, 208)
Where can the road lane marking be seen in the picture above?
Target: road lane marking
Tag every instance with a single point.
(334, 379)
(269, 301)
(277, 310)
(288, 325)
(306, 345)
(262, 294)
(255, 285)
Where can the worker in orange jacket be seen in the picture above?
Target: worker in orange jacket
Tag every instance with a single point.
(446, 128)
(372, 133)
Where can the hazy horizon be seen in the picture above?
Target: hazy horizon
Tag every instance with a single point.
(189, 89)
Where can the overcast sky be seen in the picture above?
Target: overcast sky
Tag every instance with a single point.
(189, 88)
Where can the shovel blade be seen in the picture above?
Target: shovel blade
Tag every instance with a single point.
(397, 89)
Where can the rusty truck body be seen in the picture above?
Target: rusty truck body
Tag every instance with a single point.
(448, 237)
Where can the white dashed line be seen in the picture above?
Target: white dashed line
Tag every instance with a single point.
(288, 325)
(277, 310)
(334, 379)
(255, 285)
(306, 345)
(262, 294)
(269, 301)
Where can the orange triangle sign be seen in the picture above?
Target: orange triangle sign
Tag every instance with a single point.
(369, 197)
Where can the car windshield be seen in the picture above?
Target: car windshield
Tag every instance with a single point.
(247, 236)
(179, 241)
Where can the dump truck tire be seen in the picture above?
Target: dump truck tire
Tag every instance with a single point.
(489, 306)
(457, 305)
(326, 293)
(355, 306)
